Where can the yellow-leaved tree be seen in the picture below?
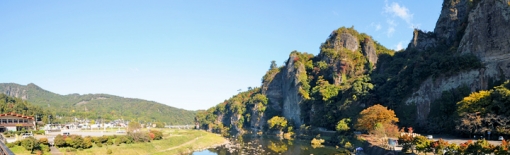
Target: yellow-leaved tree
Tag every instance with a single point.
(377, 118)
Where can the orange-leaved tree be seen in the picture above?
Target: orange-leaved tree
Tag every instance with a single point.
(374, 116)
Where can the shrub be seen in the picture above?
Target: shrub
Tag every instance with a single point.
(99, 144)
(87, 142)
(74, 141)
(103, 139)
(109, 151)
(10, 145)
(139, 137)
(30, 143)
(45, 148)
(59, 141)
(95, 139)
(157, 134)
(44, 141)
(109, 142)
(151, 135)
(121, 139)
(17, 143)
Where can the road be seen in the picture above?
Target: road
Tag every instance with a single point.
(451, 139)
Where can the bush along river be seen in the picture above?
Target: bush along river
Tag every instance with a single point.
(266, 145)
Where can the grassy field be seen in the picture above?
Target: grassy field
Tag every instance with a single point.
(174, 142)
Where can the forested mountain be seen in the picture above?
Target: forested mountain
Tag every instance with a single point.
(425, 84)
(95, 106)
(11, 104)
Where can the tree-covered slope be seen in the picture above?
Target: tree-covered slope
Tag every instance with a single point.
(94, 106)
(351, 72)
(424, 84)
(12, 104)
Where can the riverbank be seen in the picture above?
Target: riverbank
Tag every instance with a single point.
(174, 141)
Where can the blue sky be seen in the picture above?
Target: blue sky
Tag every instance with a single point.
(186, 54)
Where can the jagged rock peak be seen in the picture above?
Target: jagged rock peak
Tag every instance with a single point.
(423, 40)
(452, 19)
(352, 40)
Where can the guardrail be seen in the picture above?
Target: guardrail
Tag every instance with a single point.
(4, 150)
(179, 126)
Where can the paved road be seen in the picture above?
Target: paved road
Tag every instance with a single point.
(457, 140)
(87, 133)
(55, 151)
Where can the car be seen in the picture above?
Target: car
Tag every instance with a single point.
(26, 135)
(121, 131)
(66, 133)
(501, 138)
(430, 137)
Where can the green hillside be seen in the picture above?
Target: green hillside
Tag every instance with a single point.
(341, 81)
(95, 106)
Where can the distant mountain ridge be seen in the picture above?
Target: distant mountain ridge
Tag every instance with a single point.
(98, 105)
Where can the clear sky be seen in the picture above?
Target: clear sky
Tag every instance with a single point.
(186, 54)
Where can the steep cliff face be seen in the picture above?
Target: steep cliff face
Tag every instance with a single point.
(338, 40)
(487, 32)
(485, 35)
(14, 90)
(283, 91)
(334, 53)
(422, 40)
(452, 19)
(368, 49)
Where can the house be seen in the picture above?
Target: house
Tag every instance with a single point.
(16, 122)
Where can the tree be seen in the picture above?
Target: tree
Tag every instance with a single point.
(440, 145)
(132, 126)
(59, 141)
(343, 125)
(30, 144)
(370, 117)
(277, 123)
(273, 65)
(422, 144)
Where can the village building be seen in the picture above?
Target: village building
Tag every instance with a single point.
(16, 122)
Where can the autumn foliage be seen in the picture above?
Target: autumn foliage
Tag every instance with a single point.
(375, 116)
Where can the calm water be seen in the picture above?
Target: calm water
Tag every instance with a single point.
(268, 145)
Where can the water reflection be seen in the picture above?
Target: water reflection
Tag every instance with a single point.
(278, 147)
(267, 145)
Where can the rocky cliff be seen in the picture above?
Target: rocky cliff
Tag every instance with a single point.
(469, 48)
(478, 28)
(283, 91)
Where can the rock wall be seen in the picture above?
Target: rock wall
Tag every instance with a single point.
(291, 97)
(283, 92)
(342, 40)
(368, 49)
(487, 32)
(452, 17)
(15, 90)
(257, 121)
(486, 36)
(422, 40)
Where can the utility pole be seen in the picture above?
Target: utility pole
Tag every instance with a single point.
(35, 121)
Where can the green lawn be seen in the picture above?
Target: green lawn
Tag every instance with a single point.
(174, 142)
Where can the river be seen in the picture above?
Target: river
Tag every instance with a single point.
(249, 144)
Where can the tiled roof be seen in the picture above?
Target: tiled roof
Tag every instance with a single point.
(16, 115)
